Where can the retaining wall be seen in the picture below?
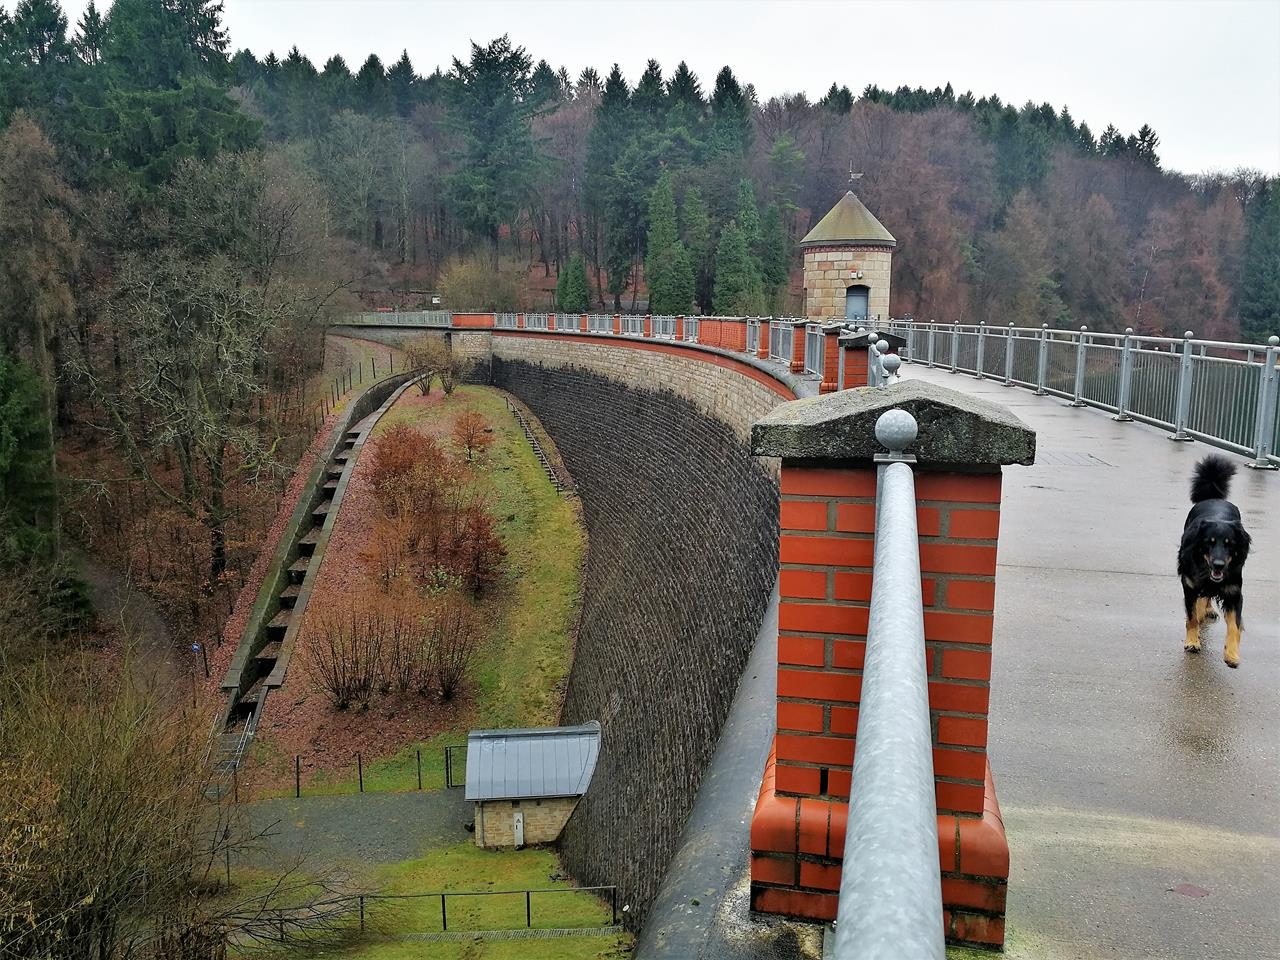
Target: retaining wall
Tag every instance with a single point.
(683, 531)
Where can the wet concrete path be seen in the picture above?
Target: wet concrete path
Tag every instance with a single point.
(1140, 785)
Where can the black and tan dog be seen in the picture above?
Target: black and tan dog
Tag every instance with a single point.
(1211, 556)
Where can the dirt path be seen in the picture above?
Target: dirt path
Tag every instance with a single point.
(132, 616)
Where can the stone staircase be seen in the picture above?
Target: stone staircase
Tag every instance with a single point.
(243, 714)
(548, 468)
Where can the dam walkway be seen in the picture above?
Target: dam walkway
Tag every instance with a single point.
(1140, 786)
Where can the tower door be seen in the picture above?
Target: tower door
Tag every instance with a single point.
(856, 303)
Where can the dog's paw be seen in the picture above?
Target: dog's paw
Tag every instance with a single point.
(1192, 647)
(1233, 663)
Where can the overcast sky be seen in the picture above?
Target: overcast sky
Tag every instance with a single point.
(1206, 75)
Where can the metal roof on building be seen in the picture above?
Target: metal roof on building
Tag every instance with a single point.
(544, 762)
(849, 221)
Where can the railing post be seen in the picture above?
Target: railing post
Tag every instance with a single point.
(955, 345)
(1126, 377)
(1184, 392)
(1077, 393)
(1008, 357)
(933, 330)
(1264, 429)
(1042, 360)
(982, 343)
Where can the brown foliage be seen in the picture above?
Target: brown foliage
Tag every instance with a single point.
(471, 431)
(405, 644)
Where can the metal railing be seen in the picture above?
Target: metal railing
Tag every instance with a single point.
(780, 341)
(814, 348)
(890, 903)
(600, 323)
(505, 321)
(407, 318)
(664, 327)
(536, 321)
(691, 329)
(1223, 393)
(632, 325)
(753, 337)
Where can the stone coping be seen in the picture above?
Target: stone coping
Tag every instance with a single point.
(954, 428)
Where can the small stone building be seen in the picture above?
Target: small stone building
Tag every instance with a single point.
(526, 783)
(847, 260)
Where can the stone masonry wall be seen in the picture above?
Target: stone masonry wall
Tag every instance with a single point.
(826, 278)
(543, 820)
(683, 529)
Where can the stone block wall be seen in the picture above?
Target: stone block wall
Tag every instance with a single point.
(543, 820)
(827, 272)
(682, 525)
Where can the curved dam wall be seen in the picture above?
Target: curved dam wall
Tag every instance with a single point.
(683, 529)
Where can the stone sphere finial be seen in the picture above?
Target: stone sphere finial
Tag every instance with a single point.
(1128, 331)
(1188, 335)
(896, 430)
(882, 346)
(891, 363)
(1273, 341)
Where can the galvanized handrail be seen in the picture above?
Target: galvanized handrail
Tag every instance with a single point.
(780, 343)
(1223, 393)
(890, 903)
(814, 348)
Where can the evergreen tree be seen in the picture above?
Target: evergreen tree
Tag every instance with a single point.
(572, 293)
(1260, 290)
(776, 259)
(649, 101)
(373, 92)
(589, 84)
(1111, 143)
(695, 228)
(668, 267)
(402, 85)
(39, 32)
(738, 288)
(489, 114)
(731, 115)
(544, 85)
(684, 89)
(838, 100)
(748, 218)
(28, 493)
(90, 33)
(337, 85)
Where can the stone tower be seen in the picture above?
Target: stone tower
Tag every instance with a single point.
(847, 258)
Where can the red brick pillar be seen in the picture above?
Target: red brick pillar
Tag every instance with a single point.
(855, 366)
(586, 323)
(520, 320)
(617, 325)
(762, 348)
(551, 321)
(648, 325)
(797, 347)
(826, 546)
(679, 328)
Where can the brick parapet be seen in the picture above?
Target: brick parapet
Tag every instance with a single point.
(826, 547)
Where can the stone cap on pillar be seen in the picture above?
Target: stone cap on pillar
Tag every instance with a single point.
(954, 428)
(852, 339)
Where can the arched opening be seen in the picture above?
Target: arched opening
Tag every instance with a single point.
(856, 302)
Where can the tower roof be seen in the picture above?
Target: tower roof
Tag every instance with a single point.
(849, 221)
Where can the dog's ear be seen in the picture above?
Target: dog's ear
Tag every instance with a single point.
(1243, 538)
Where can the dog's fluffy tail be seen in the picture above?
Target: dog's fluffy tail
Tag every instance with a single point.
(1212, 478)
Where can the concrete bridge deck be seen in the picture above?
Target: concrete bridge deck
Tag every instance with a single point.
(1140, 785)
